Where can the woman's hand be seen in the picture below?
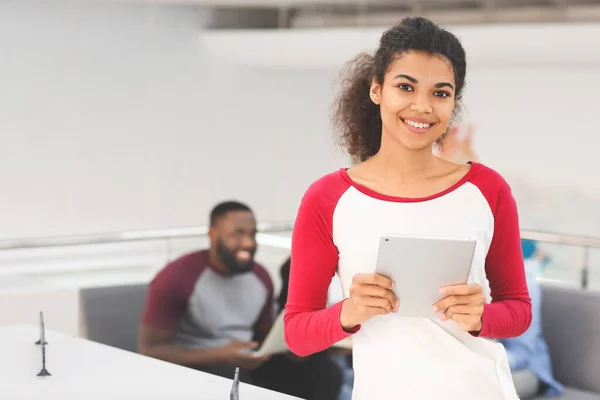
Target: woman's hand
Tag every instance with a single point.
(370, 294)
(463, 304)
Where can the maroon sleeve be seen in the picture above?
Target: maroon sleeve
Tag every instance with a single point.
(310, 327)
(267, 314)
(509, 313)
(169, 292)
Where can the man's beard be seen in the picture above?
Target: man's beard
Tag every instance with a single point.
(228, 257)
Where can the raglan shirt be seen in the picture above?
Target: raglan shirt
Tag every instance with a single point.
(205, 309)
(337, 230)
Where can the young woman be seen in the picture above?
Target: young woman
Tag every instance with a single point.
(393, 107)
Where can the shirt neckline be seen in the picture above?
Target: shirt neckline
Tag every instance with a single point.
(380, 196)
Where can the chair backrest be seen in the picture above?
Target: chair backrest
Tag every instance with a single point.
(571, 323)
(112, 315)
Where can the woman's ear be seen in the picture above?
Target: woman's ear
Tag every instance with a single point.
(375, 92)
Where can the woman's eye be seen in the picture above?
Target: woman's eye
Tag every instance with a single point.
(405, 87)
(441, 93)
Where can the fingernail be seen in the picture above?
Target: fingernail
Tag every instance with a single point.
(442, 290)
(393, 284)
(397, 303)
(435, 309)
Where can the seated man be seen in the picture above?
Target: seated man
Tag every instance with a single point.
(207, 309)
(528, 354)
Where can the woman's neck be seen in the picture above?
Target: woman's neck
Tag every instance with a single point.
(398, 163)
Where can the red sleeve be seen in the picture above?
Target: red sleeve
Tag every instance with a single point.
(267, 314)
(310, 327)
(509, 313)
(170, 290)
(165, 303)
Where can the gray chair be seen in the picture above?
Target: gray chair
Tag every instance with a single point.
(112, 315)
(571, 321)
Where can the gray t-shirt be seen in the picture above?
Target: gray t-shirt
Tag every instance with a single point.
(204, 308)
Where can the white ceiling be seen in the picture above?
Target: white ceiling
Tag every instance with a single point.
(491, 46)
(316, 14)
(256, 3)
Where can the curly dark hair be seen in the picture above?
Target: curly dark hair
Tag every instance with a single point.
(356, 118)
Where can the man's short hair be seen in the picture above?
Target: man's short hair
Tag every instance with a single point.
(223, 208)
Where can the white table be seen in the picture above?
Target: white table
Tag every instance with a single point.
(82, 369)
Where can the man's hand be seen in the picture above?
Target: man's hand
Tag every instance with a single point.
(463, 304)
(239, 354)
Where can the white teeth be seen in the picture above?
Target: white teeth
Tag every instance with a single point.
(417, 124)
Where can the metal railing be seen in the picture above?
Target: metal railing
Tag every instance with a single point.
(586, 243)
(127, 236)
(170, 234)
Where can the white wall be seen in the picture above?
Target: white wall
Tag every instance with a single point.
(123, 118)
(114, 118)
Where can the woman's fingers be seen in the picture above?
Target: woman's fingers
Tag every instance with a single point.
(377, 302)
(374, 279)
(382, 293)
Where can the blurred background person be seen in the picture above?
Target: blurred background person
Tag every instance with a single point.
(332, 367)
(209, 309)
(317, 376)
(458, 144)
(528, 354)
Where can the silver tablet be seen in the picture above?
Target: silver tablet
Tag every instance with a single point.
(420, 266)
